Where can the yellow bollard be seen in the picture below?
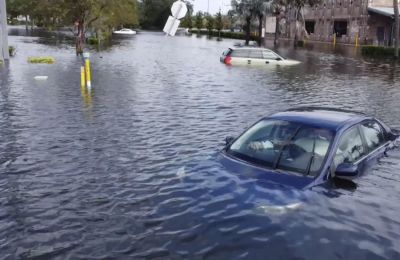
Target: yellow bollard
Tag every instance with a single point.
(334, 39)
(83, 83)
(357, 40)
(88, 77)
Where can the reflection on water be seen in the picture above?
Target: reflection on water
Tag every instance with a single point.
(129, 169)
(87, 97)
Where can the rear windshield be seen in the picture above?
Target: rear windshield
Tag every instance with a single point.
(227, 52)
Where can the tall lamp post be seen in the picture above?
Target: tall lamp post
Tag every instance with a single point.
(4, 54)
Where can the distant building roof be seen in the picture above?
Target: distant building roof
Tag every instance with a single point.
(386, 11)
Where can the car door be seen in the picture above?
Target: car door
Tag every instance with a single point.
(256, 57)
(240, 57)
(270, 57)
(351, 149)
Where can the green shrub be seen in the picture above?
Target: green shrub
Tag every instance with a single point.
(11, 50)
(377, 51)
(92, 41)
(48, 60)
(300, 43)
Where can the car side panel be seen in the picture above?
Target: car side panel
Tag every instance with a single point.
(252, 61)
(240, 61)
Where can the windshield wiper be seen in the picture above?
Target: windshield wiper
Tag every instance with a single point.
(311, 159)
(276, 163)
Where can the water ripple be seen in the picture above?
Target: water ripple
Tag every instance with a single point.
(129, 170)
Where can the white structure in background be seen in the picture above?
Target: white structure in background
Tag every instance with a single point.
(178, 10)
(125, 31)
(270, 24)
(4, 54)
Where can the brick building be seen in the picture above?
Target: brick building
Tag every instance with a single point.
(370, 20)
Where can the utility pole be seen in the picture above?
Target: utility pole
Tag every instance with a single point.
(208, 7)
(396, 28)
(4, 54)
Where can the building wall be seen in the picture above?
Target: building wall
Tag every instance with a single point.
(380, 30)
(381, 3)
(339, 16)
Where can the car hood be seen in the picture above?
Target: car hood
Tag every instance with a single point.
(263, 175)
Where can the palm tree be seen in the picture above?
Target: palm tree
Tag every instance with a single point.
(276, 8)
(260, 7)
(244, 9)
(298, 6)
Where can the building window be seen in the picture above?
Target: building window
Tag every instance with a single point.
(340, 28)
(310, 26)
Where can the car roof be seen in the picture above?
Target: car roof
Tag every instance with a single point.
(249, 48)
(329, 118)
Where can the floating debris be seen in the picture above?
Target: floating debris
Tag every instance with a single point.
(278, 209)
(41, 77)
(47, 60)
(181, 172)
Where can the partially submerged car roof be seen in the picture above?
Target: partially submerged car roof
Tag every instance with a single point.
(249, 48)
(329, 118)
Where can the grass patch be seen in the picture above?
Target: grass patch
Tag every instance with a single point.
(377, 51)
(12, 50)
(47, 60)
(92, 41)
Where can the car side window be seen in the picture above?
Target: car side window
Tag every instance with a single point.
(255, 54)
(269, 55)
(240, 53)
(374, 135)
(350, 147)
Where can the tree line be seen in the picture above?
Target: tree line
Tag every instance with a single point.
(251, 10)
(245, 13)
(102, 16)
(96, 16)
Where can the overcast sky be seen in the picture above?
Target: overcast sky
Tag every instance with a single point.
(215, 5)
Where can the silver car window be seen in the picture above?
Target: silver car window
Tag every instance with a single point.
(269, 55)
(373, 134)
(255, 54)
(350, 147)
(240, 53)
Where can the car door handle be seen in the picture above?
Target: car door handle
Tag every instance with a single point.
(267, 62)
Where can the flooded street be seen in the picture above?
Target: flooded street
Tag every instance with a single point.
(130, 171)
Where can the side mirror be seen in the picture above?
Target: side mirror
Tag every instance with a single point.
(229, 140)
(392, 136)
(346, 170)
(278, 59)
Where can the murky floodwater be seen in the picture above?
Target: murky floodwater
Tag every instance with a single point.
(129, 169)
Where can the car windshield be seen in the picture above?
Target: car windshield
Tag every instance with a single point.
(284, 145)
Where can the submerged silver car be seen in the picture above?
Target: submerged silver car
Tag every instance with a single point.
(254, 56)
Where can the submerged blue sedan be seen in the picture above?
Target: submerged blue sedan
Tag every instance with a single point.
(306, 147)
